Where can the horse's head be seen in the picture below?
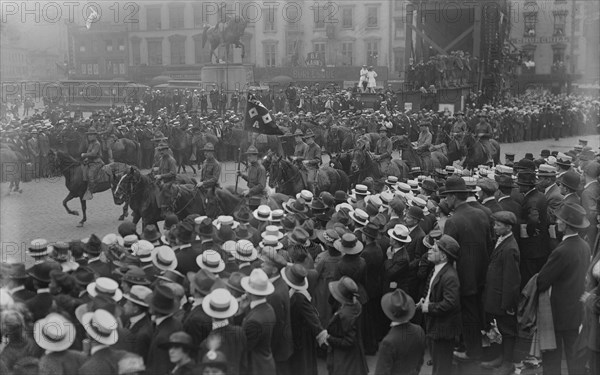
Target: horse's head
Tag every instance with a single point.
(359, 158)
(167, 198)
(125, 185)
(267, 160)
(275, 172)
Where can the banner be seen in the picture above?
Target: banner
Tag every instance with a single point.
(258, 118)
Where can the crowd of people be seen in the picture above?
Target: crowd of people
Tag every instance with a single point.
(455, 267)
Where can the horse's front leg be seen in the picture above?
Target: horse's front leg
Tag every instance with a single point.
(83, 210)
(125, 212)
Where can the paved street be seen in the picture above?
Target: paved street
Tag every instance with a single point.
(38, 211)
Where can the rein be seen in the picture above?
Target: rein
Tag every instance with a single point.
(282, 182)
(174, 201)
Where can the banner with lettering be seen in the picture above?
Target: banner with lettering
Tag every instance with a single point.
(258, 118)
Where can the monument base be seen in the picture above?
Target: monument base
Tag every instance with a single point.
(227, 77)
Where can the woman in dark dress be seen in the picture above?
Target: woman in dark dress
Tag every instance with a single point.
(346, 355)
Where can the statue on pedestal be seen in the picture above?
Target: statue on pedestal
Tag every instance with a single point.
(228, 31)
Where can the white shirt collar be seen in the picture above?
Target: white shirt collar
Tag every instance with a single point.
(502, 238)
(97, 348)
(569, 235)
(500, 199)
(530, 191)
(219, 324)
(94, 259)
(549, 187)
(43, 290)
(487, 200)
(136, 318)
(161, 319)
(438, 267)
(197, 302)
(253, 304)
(589, 183)
(14, 290)
(274, 278)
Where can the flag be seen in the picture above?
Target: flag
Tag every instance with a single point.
(258, 118)
(92, 17)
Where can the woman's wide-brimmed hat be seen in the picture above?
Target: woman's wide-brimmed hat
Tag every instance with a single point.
(398, 306)
(344, 290)
(348, 244)
(54, 333)
(220, 304)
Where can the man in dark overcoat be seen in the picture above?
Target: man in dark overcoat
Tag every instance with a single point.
(501, 294)
(565, 272)
(470, 227)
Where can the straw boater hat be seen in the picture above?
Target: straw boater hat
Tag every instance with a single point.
(245, 251)
(263, 213)
(225, 220)
(348, 244)
(210, 260)
(38, 248)
(105, 286)
(163, 257)
(143, 250)
(138, 294)
(277, 215)
(271, 241)
(272, 230)
(220, 304)
(398, 306)
(306, 195)
(295, 276)
(400, 233)
(54, 333)
(361, 190)
(258, 283)
(101, 326)
(359, 216)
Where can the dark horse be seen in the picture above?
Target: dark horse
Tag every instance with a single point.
(73, 171)
(363, 165)
(476, 154)
(181, 145)
(183, 200)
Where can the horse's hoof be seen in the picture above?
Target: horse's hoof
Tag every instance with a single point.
(80, 225)
(122, 217)
(74, 213)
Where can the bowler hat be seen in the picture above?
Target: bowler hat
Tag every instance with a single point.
(340, 196)
(150, 233)
(573, 215)
(16, 271)
(455, 184)
(398, 306)
(41, 271)
(84, 276)
(94, 246)
(504, 181)
(243, 215)
(526, 178)
(449, 246)
(371, 230)
(571, 180)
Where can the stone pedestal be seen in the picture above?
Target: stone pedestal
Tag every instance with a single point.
(226, 76)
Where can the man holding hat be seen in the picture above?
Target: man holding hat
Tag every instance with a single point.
(441, 303)
(501, 294)
(565, 273)
(312, 159)
(401, 350)
(258, 323)
(166, 165)
(255, 176)
(470, 227)
(92, 162)
(211, 169)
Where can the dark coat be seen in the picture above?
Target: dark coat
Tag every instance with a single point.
(553, 201)
(415, 250)
(589, 201)
(23, 295)
(67, 362)
(305, 328)
(40, 305)
(258, 327)
(401, 351)
(373, 256)
(346, 355)
(355, 267)
(443, 320)
(187, 369)
(100, 268)
(469, 226)
(493, 205)
(233, 345)
(534, 217)
(186, 260)
(282, 345)
(572, 198)
(509, 204)
(197, 324)
(396, 272)
(503, 279)
(565, 272)
(138, 337)
(104, 361)
(157, 361)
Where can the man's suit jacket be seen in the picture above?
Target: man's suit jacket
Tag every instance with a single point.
(23, 295)
(373, 256)
(443, 319)
(502, 286)
(534, 217)
(282, 344)
(137, 338)
(493, 205)
(589, 201)
(104, 361)
(565, 272)
(186, 260)
(157, 361)
(401, 351)
(415, 251)
(396, 272)
(197, 324)
(470, 227)
(100, 268)
(509, 204)
(233, 345)
(554, 200)
(572, 198)
(40, 305)
(258, 327)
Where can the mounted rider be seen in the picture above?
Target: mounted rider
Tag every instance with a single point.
(166, 167)
(425, 137)
(459, 127)
(255, 175)
(300, 148)
(92, 162)
(211, 169)
(484, 132)
(108, 138)
(312, 160)
(383, 148)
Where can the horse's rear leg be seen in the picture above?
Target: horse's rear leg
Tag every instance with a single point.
(125, 212)
(83, 209)
(65, 201)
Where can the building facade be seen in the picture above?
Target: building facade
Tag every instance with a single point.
(548, 33)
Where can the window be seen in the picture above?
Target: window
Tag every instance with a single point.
(560, 21)
(136, 54)
(121, 43)
(372, 52)
(528, 58)
(347, 18)
(109, 46)
(90, 69)
(270, 20)
(319, 48)
(558, 55)
(177, 50)
(291, 47)
(153, 21)
(398, 28)
(347, 53)
(154, 52)
(530, 20)
(372, 16)
(270, 54)
(176, 17)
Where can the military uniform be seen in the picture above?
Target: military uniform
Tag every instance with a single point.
(300, 149)
(484, 133)
(167, 167)
(94, 163)
(312, 159)
(211, 173)
(256, 176)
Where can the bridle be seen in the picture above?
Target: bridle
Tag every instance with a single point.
(281, 181)
(172, 204)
